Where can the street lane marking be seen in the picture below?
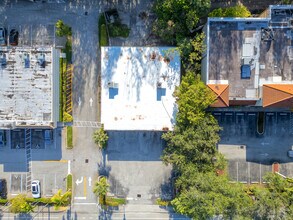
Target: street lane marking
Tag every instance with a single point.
(85, 203)
(69, 168)
(60, 161)
(90, 181)
(91, 102)
(79, 181)
(84, 186)
(80, 197)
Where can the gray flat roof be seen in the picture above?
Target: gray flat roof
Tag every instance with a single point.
(265, 44)
(26, 86)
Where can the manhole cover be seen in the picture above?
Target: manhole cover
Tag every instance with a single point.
(86, 160)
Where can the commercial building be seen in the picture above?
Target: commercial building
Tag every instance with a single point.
(249, 61)
(137, 85)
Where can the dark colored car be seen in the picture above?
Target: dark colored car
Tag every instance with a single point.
(13, 37)
(3, 189)
(3, 36)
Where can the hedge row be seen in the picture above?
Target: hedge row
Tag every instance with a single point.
(103, 35)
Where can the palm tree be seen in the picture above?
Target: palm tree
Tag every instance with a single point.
(101, 188)
(61, 200)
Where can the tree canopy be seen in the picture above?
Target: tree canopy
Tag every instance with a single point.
(100, 137)
(239, 11)
(62, 29)
(177, 19)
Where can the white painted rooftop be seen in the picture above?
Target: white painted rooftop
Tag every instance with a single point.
(26, 87)
(137, 86)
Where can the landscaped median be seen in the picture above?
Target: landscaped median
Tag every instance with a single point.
(22, 204)
(69, 137)
(69, 182)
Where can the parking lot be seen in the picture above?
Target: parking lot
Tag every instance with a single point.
(134, 166)
(251, 153)
(46, 161)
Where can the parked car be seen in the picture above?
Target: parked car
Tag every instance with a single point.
(13, 37)
(3, 188)
(3, 36)
(36, 189)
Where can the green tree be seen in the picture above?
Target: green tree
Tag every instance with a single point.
(191, 50)
(275, 200)
(20, 205)
(62, 29)
(192, 98)
(205, 195)
(101, 188)
(100, 137)
(239, 11)
(177, 19)
(60, 199)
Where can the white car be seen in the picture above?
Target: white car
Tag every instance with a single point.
(36, 189)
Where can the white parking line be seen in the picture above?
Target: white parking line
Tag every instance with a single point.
(69, 168)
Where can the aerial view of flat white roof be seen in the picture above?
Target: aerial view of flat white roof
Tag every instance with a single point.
(28, 88)
(137, 84)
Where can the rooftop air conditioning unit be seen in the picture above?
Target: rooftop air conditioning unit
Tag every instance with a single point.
(113, 85)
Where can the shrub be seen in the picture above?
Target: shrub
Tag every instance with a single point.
(69, 182)
(3, 201)
(161, 202)
(68, 50)
(67, 117)
(118, 30)
(19, 204)
(111, 201)
(100, 137)
(40, 201)
(69, 137)
(60, 199)
(103, 36)
(62, 29)
(236, 11)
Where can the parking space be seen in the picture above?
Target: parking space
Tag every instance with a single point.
(247, 172)
(17, 139)
(17, 183)
(52, 176)
(250, 153)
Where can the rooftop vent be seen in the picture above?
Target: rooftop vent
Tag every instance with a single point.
(267, 34)
(41, 60)
(113, 85)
